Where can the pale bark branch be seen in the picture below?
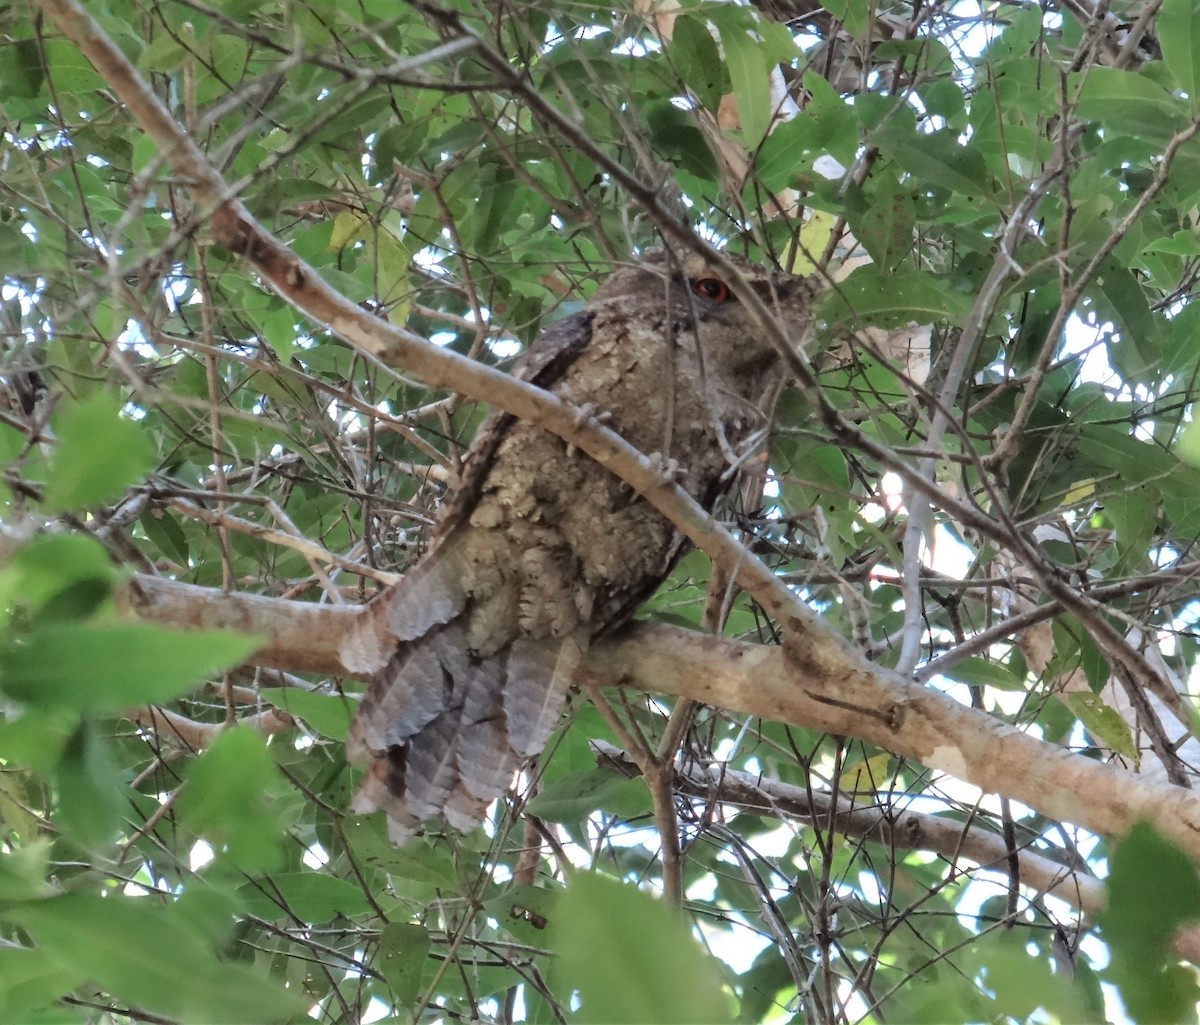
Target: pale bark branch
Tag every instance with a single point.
(751, 679)
(196, 735)
(888, 824)
(303, 636)
(816, 682)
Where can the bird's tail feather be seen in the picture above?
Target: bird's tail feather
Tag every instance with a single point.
(538, 676)
(430, 594)
(444, 731)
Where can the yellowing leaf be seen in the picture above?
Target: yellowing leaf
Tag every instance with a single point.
(865, 776)
(1102, 721)
(1080, 490)
(391, 273)
(1187, 445)
(811, 242)
(347, 226)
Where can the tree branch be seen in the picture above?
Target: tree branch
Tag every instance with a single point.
(815, 682)
(888, 825)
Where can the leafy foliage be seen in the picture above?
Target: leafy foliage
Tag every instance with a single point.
(1144, 910)
(1022, 180)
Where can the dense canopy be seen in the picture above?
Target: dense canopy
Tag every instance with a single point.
(264, 265)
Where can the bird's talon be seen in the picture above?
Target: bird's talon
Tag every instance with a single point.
(584, 412)
(667, 469)
(589, 412)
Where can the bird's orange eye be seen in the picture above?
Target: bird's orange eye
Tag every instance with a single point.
(713, 289)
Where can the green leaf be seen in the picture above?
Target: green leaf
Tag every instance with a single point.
(1102, 721)
(91, 805)
(98, 455)
(279, 329)
(1187, 445)
(943, 98)
(1119, 297)
(1183, 513)
(1020, 983)
(401, 958)
(392, 263)
(1133, 460)
(631, 959)
(166, 53)
(309, 896)
(23, 867)
(399, 143)
(693, 53)
(37, 737)
(1153, 889)
(1134, 514)
(826, 126)
(1075, 649)
(358, 115)
(68, 69)
(238, 9)
(1123, 101)
(164, 532)
(572, 797)
(936, 158)
(146, 954)
(787, 154)
(750, 74)
(95, 668)
(872, 296)
(415, 861)
(526, 912)
(226, 63)
(929, 54)
(1181, 243)
(1179, 36)
(835, 129)
(676, 137)
(32, 981)
(17, 253)
(855, 15)
(979, 672)
(52, 566)
(228, 799)
(21, 71)
(326, 714)
(882, 219)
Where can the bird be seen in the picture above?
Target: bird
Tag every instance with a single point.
(538, 550)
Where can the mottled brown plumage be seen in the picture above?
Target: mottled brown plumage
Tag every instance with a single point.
(539, 549)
